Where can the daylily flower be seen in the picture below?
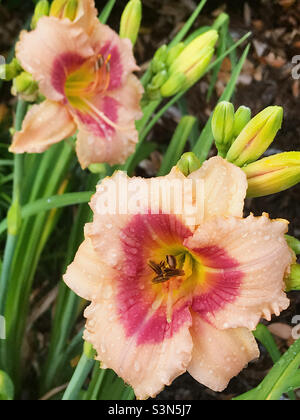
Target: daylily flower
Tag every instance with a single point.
(85, 71)
(168, 297)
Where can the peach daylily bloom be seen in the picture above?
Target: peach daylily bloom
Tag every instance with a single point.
(220, 277)
(85, 72)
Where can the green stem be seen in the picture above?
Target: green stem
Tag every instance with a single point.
(80, 375)
(12, 239)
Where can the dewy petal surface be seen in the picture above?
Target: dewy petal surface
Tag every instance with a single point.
(97, 140)
(260, 259)
(219, 355)
(225, 188)
(50, 51)
(230, 274)
(44, 125)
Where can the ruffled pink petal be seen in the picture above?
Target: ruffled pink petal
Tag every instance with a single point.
(218, 355)
(85, 276)
(225, 187)
(53, 49)
(87, 15)
(147, 367)
(44, 125)
(122, 62)
(126, 324)
(244, 279)
(98, 140)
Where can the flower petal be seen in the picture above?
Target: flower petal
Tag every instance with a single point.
(44, 125)
(85, 276)
(225, 187)
(146, 367)
(87, 15)
(114, 138)
(130, 335)
(48, 52)
(218, 355)
(245, 277)
(122, 62)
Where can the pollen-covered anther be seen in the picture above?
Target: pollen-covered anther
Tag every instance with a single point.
(165, 270)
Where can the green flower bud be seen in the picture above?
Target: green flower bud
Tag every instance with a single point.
(273, 174)
(190, 64)
(241, 119)
(222, 126)
(88, 350)
(57, 8)
(188, 163)
(11, 70)
(174, 52)
(41, 9)
(293, 243)
(256, 137)
(159, 60)
(158, 80)
(131, 20)
(293, 281)
(25, 85)
(194, 52)
(64, 9)
(97, 168)
(71, 8)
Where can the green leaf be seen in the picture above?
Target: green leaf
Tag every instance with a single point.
(182, 33)
(46, 204)
(106, 11)
(205, 140)
(177, 144)
(284, 377)
(6, 387)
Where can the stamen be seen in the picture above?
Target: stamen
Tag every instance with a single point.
(165, 270)
(104, 117)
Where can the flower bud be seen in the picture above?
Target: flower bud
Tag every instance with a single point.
(26, 86)
(159, 60)
(57, 8)
(293, 243)
(241, 119)
(293, 280)
(222, 126)
(11, 70)
(153, 88)
(188, 163)
(256, 137)
(64, 9)
(131, 20)
(194, 51)
(179, 81)
(88, 350)
(41, 9)
(190, 64)
(174, 52)
(273, 174)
